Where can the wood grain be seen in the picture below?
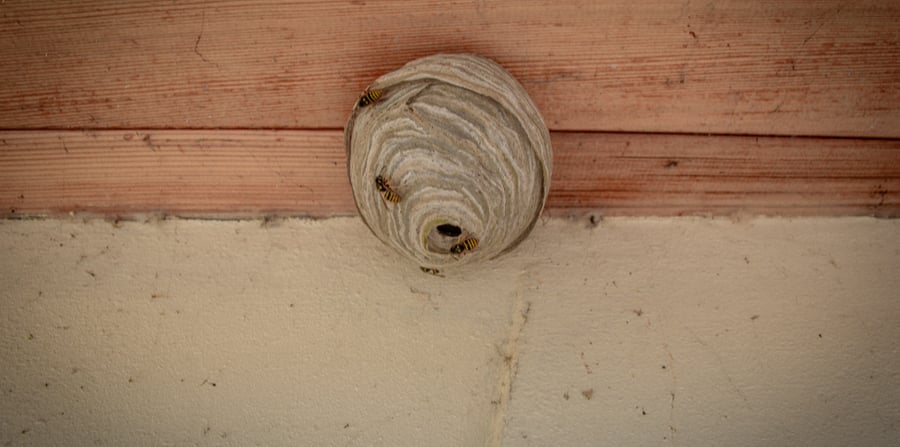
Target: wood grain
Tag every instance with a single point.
(175, 172)
(734, 67)
(640, 174)
(248, 173)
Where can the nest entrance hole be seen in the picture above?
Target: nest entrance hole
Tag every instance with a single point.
(449, 230)
(444, 236)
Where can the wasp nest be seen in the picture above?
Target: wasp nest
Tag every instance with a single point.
(449, 160)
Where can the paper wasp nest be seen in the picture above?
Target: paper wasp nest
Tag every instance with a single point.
(449, 160)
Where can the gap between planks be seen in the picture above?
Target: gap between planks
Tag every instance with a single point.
(244, 173)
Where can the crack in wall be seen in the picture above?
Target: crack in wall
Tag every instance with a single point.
(672, 369)
(509, 355)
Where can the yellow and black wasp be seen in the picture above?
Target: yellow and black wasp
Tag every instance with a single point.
(384, 187)
(431, 271)
(467, 244)
(370, 96)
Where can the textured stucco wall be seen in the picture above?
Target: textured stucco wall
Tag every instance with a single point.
(690, 331)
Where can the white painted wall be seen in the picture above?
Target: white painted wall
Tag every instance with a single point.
(635, 332)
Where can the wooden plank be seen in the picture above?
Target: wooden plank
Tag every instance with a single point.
(763, 67)
(192, 173)
(641, 174)
(246, 173)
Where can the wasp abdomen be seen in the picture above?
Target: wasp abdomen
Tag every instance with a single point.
(464, 246)
(384, 187)
(370, 96)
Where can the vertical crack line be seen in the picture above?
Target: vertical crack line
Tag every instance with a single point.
(509, 367)
(197, 42)
(200, 36)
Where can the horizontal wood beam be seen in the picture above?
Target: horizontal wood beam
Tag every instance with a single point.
(235, 173)
(823, 68)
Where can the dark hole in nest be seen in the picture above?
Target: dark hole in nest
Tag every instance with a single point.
(449, 230)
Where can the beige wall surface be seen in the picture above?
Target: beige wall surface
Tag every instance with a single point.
(630, 331)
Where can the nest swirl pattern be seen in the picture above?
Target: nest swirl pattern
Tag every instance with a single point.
(456, 140)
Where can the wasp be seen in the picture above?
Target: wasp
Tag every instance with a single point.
(370, 96)
(382, 185)
(468, 244)
(430, 270)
